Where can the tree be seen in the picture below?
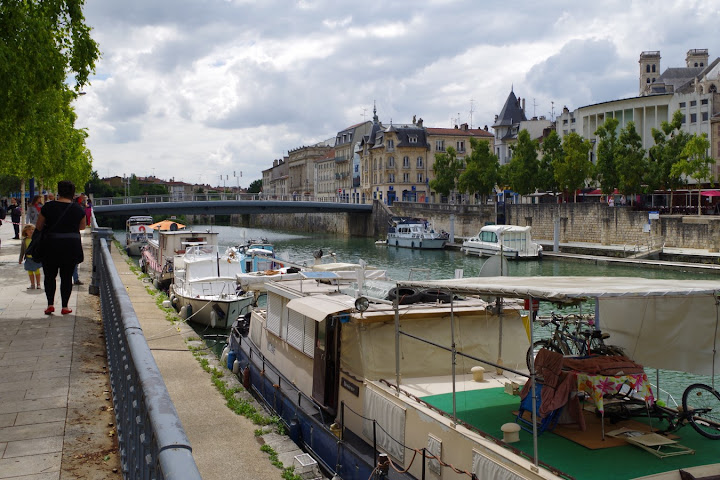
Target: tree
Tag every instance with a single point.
(524, 165)
(606, 168)
(447, 170)
(695, 163)
(574, 167)
(481, 171)
(255, 186)
(44, 45)
(631, 161)
(551, 149)
(669, 143)
(99, 188)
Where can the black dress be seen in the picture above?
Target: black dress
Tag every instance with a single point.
(64, 245)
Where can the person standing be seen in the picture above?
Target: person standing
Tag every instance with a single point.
(31, 266)
(34, 210)
(64, 220)
(15, 212)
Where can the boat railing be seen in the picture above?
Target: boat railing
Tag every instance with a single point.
(151, 440)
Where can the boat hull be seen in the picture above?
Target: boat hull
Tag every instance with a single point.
(418, 243)
(213, 311)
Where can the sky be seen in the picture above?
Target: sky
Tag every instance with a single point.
(212, 91)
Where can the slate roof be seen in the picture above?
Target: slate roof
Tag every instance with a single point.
(511, 113)
(459, 132)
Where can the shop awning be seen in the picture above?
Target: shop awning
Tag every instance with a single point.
(710, 193)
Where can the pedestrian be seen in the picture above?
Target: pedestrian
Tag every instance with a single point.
(64, 220)
(15, 212)
(88, 212)
(33, 210)
(31, 266)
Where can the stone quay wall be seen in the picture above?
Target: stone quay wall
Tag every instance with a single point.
(577, 222)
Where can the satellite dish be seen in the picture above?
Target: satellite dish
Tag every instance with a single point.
(495, 266)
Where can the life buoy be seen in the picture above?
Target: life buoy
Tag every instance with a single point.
(141, 228)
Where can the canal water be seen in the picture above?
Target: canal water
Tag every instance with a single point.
(403, 264)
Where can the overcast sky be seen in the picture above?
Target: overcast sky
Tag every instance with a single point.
(196, 89)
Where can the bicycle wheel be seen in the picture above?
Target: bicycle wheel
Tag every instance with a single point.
(702, 403)
(536, 347)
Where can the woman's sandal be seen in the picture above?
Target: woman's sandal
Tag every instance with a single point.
(49, 310)
(65, 311)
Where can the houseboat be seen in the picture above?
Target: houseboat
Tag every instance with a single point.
(512, 241)
(415, 233)
(159, 253)
(430, 389)
(137, 233)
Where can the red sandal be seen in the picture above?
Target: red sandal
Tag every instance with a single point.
(49, 310)
(65, 311)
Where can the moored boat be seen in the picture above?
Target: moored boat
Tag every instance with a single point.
(512, 241)
(204, 287)
(158, 255)
(137, 233)
(399, 382)
(415, 233)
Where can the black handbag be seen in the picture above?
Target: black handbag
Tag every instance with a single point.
(39, 242)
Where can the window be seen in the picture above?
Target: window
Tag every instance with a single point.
(647, 81)
(461, 145)
(682, 104)
(684, 118)
(693, 117)
(412, 138)
(647, 68)
(439, 145)
(406, 178)
(419, 162)
(390, 144)
(572, 120)
(419, 178)
(406, 162)
(693, 103)
(565, 122)
(391, 162)
(391, 178)
(704, 116)
(653, 68)
(704, 101)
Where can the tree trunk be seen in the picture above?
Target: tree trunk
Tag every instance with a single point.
(22, 203)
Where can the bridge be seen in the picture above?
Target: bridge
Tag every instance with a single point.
(220, 205)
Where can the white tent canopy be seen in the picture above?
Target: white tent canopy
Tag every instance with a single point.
(667, 324)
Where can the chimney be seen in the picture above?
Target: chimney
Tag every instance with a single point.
(464, 127)
(523, 105)
(486, 128)
(420, 122)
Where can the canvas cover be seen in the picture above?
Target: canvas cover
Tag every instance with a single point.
(667, 324)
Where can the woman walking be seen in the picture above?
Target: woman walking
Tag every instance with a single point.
(63, 219)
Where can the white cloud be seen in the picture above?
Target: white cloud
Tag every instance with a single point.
(195, 90)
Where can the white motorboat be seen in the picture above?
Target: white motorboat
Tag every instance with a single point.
(205, 289)
(432, 387)
(415, 233)
(512, 241)
(159, 253)
(137, 233)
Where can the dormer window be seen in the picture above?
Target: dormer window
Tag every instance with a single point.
(390, 144)
(412, 138)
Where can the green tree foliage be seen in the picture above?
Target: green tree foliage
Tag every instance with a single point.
(481, 171)
(574, 167)
(447, 170)
(551, 149)
(606, 168)
(255, 186)
(524, 165)
(98, 188)
(669, 144)
(44, 45)
(695, 163)
(631, 161)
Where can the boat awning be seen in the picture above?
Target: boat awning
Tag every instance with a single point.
(318, 307)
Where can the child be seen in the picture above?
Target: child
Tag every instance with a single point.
(31, 266)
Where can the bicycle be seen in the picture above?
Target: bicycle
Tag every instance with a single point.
(700, 408)
(583, 340)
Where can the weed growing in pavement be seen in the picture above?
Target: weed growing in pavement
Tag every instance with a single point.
(288, 472)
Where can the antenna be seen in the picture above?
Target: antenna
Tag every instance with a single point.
(363, 114)
(534, 105)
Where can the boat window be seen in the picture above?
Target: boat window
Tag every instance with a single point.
(489, 237)
(321, 338)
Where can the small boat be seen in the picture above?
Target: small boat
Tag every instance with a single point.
(512, 241)
(415, 233)
(204, 288)
(158, 255)
(137, 233)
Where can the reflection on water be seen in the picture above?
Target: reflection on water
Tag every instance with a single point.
(438, 264)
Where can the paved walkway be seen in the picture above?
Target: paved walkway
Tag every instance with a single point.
(56, 419)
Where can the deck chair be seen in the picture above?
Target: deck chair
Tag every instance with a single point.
(548, 422)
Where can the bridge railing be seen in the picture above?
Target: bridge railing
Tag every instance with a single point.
(151, 439)
(202, 197)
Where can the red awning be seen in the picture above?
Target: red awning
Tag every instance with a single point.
(710, 193)
(597, 191)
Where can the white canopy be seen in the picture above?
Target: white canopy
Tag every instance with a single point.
(667, 324)
(318, 307)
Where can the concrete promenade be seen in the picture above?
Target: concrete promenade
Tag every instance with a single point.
(56, 418)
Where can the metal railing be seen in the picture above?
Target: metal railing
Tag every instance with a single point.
(151, 439)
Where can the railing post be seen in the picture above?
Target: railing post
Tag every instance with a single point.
(97, 234)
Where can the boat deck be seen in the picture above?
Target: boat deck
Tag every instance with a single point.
(487, 405)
